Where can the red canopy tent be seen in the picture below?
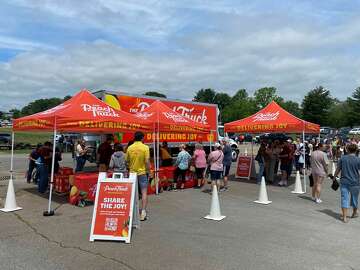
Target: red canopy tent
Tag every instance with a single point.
(166, 120)
(272, 118)
(82, 113)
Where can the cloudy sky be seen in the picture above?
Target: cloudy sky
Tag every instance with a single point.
(53, 48)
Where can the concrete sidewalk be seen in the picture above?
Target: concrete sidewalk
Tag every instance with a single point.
(291, 233)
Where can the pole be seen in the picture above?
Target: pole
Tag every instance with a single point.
(50, 212)
(12, 155)
(304, 153)
(158, 159)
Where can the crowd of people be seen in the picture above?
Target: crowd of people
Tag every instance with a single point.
(40, 165)
(311, 157)
(316, 159)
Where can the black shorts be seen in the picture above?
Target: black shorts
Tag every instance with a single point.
(226, 170)
(215, 175)
(199, 173)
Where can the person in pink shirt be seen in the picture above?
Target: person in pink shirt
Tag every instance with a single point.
(199, 158)
(215, 160)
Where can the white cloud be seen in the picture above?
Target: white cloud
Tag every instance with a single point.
(208, 44)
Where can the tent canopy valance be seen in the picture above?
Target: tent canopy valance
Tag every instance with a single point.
(272, 118)
(82, 113)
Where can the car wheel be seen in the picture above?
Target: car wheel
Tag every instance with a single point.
(234, 154)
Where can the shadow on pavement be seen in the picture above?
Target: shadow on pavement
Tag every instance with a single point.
(330, 213)
(305, 197)
(55, 197)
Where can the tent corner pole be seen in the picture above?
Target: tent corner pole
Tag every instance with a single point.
(12, 155)
(50, 212)
(304, 153)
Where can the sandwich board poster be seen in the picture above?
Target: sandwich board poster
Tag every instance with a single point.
(244, 167)
(113, 209)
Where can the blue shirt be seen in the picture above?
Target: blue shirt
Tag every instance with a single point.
(227, 155)
(349, 166)
(182, 160)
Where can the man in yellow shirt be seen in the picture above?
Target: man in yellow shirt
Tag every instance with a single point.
(138, 160)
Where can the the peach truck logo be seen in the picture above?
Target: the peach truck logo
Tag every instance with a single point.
(265, 116)
(98, 110)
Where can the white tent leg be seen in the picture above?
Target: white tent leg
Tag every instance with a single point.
(50, 212)
(157, 162)
(304, 166)
(12, 155)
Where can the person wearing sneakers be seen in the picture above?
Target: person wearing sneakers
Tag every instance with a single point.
(138, 160)
(349, 166)
(182, 165)
(319, 170)
(215, 160)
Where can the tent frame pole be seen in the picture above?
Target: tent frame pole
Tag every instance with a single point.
(50, 212)
(12, 155)
(304, 153)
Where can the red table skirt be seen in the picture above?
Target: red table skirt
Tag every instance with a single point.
(88, 181)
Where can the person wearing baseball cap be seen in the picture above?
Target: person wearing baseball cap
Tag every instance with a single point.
(215, 160)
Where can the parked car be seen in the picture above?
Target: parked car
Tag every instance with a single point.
(354, 131)
(5, 140)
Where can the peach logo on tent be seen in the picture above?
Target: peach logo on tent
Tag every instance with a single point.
(175, 117)
(143, 115)
(265, 116)
(98, 110)
(52, 110)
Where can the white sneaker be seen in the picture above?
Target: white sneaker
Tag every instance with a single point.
(143, 215)
(317, 200)
(281, 183)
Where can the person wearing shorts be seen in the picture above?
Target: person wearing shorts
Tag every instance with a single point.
(349, 166)
(199, 158)
(215, 160)
(138, 159)
(319, 170)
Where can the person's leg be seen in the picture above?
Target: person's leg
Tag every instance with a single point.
(183, 178)
(30, 170)
(261, 172)
(226, 176)
(344, 201)
(318, 187)
(78, 164)
(313, 189)
(143, 183)
(354, 191)
(176, 176)
(44, 178)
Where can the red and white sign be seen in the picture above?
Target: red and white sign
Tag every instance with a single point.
(201, 113)
(244, 167)
(113, 209)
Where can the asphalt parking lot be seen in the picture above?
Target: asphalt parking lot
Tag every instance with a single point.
(291, 233)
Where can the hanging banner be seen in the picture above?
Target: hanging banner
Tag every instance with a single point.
(244, 167)
(113, 209)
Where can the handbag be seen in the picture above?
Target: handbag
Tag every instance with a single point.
(335, 185)
(311, 179)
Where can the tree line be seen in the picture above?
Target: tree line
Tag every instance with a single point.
(318, 105)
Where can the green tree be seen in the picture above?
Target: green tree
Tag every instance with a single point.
(316, 106)
(354, 107)
(292, 107)
(40, 105)
(222, 100)
(240, 107)
(154, 94)
(205, 95)
(16, 113)
(67, 98)
(265, 95)
(338, 114)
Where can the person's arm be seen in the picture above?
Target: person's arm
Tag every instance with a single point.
(111, 164)
(338, 169)
(147, 160)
